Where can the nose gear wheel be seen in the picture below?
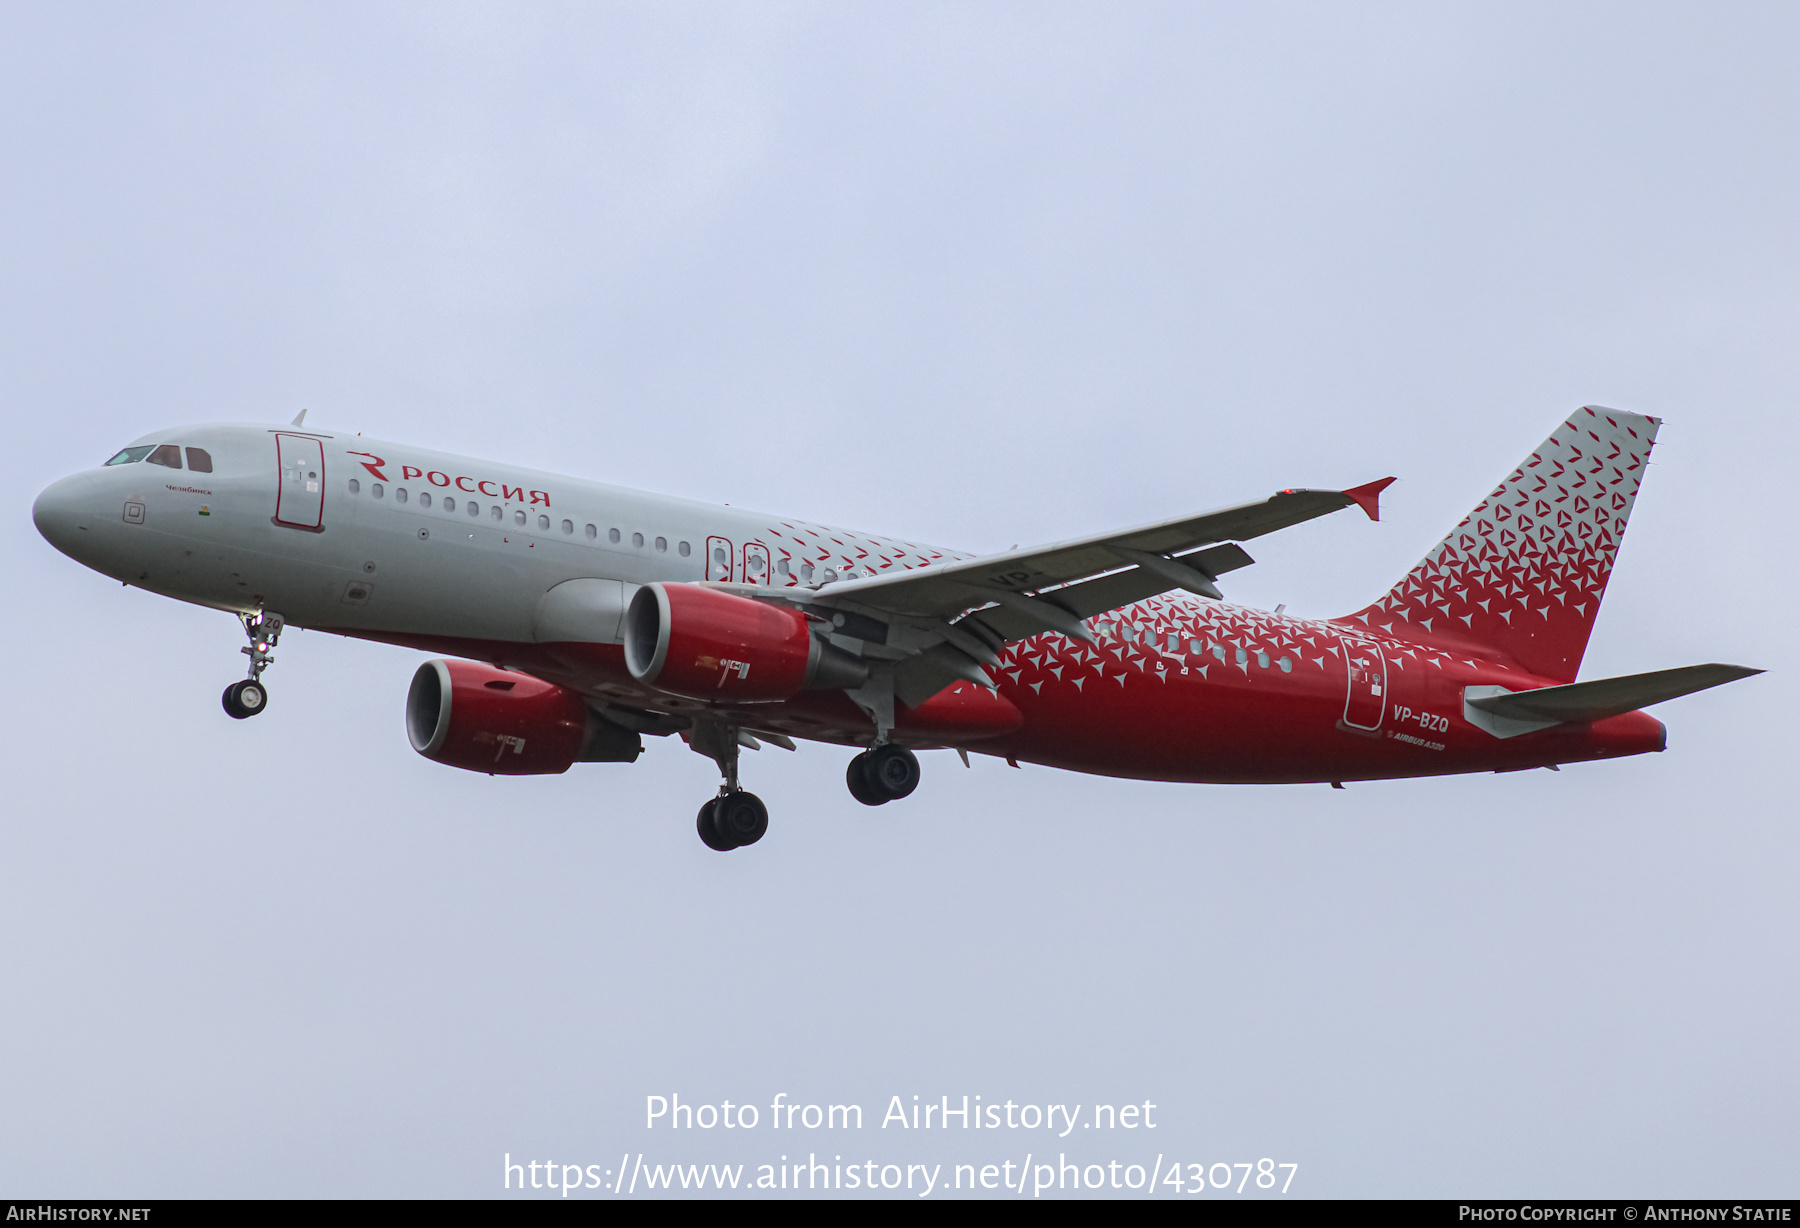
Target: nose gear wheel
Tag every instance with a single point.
(245, 699)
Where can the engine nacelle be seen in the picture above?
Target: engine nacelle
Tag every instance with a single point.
(705, 644)
(492, 720)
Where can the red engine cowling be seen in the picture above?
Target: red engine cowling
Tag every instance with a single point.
(506, 724)
(704, 644)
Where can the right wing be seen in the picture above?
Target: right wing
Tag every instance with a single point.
(940, 624)
(1139, 562)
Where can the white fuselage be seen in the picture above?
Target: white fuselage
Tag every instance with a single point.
(348, 533)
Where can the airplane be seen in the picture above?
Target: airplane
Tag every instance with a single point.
(576, 618)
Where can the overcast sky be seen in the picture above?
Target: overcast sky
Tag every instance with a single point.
(968, 274)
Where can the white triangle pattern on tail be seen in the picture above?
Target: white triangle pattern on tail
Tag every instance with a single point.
(1525, 571)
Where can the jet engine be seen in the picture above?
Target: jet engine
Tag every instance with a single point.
(705, 644)
(505, 724)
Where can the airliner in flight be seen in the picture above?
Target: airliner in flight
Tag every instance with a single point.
(575, 618)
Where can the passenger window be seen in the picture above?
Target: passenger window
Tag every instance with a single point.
(1262, 660)
(830, 576)
(806, 572)
(1287, 666)
(377, 490)
(612, 535)
(592, 532)
(424, 498)
(519, 518)
(1194, 647)
(543, 522)
(131, 456)
(683, 549)
(1174, 642)
(1243, 658)
(355, 486)
(1219, 651)
(449, 504)
(168, 454)
(494, 513)
(568, 526)
(637, 539)
(199, 460)
(399, 494)
(474, 508)
(782, 567)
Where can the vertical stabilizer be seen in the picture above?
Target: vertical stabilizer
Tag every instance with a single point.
(1523, 574)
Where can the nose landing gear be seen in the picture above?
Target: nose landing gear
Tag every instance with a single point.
(247, 698)
(885, 774)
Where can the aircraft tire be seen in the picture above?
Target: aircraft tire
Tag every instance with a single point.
(710, 835)
(861, 787)
(893, 770)
(245, 699)
(740, 818)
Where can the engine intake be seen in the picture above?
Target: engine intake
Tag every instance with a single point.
(505, 724)
(704, 644)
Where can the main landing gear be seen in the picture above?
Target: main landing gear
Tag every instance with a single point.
(731, 820)
(247, 698)
(885, 774)
(735, 817)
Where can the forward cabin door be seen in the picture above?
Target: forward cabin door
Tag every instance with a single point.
(1367, 700)
(300, 499)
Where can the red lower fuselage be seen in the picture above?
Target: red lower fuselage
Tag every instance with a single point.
(1177, 689)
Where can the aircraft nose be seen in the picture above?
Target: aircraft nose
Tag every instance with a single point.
(61, 514)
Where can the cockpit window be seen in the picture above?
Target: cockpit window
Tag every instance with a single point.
(199, 460)
(168, 454)
(131, 456)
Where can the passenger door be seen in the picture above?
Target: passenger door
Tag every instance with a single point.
(300, 499)
(1366, 702)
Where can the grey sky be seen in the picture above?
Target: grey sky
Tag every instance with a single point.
(967, 274)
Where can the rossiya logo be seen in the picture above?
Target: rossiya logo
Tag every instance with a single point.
(376, 465)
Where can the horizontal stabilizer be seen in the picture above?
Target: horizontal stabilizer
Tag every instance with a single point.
(1597, 700)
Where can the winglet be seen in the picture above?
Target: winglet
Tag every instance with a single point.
(1368, 496)
(301, 417)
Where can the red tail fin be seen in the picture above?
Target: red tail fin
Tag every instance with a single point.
(1522, 576)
